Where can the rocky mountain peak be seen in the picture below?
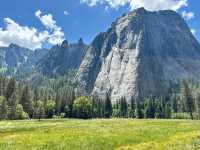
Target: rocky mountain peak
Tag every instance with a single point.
(12, 45)
(65, 44)
(80, 41)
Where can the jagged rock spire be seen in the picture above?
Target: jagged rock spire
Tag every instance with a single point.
(64, 44)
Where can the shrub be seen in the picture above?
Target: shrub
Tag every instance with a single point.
(20, 114)
(116, 113)
(50, 108)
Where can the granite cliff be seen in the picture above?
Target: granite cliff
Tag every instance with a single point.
(143, 53)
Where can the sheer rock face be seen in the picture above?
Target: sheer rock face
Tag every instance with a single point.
(143, 53)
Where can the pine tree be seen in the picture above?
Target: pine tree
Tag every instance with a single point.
(36, 98)
(100, 108)
(187, 97)
(146, 107)
(39, 111)
(198, 105)
(149, 110)
(10, 88)
(116, 111)
(168, 111)
(65, 99)
(71, 102)
(13, 101)
(58, 103)
(123, 107)
(159, 109)
(96, 107)
(36, 95)
(179, 101)
(50, 108)
(138, 110)
(108, 107)
(27, 102)
(117, 104)
(132, 108)
(2, 85)
(174, 101)
(3, 108)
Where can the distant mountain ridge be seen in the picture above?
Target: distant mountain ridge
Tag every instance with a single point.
(24, 63)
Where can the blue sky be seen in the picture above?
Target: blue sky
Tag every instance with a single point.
(38, 23)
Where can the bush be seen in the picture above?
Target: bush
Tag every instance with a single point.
(62, 115)
(116, 113)
(50, 108)
(20, 114)
(82, 107)
(39, 111)
(131, 113)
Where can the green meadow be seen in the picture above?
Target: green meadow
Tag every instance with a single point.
(100, 134)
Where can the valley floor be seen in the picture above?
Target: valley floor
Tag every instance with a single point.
(100, 134)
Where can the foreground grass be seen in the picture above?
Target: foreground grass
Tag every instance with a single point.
(122, 134)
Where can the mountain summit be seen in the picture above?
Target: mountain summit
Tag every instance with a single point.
(143, 53)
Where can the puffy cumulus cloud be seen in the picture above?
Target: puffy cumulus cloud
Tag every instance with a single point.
(30, 37)
(47, 20)
(151, 5)
(158, 4)
(56, 34)
(187, 15)
(22, 35)
(56, 37)
(111, 3)
(91, 2)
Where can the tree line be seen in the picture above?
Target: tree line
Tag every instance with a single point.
(58, 100)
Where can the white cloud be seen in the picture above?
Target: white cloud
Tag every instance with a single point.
(151, 5)
(56, 34)
(30, 37)
(193, 31)
(187, 15)
(111, 3)
(47, 20)
(66, 13)
(22, 35)
(56, 37)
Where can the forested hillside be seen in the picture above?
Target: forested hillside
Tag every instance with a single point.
(56, 98)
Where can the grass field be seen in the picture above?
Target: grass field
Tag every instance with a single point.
(100, 134)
